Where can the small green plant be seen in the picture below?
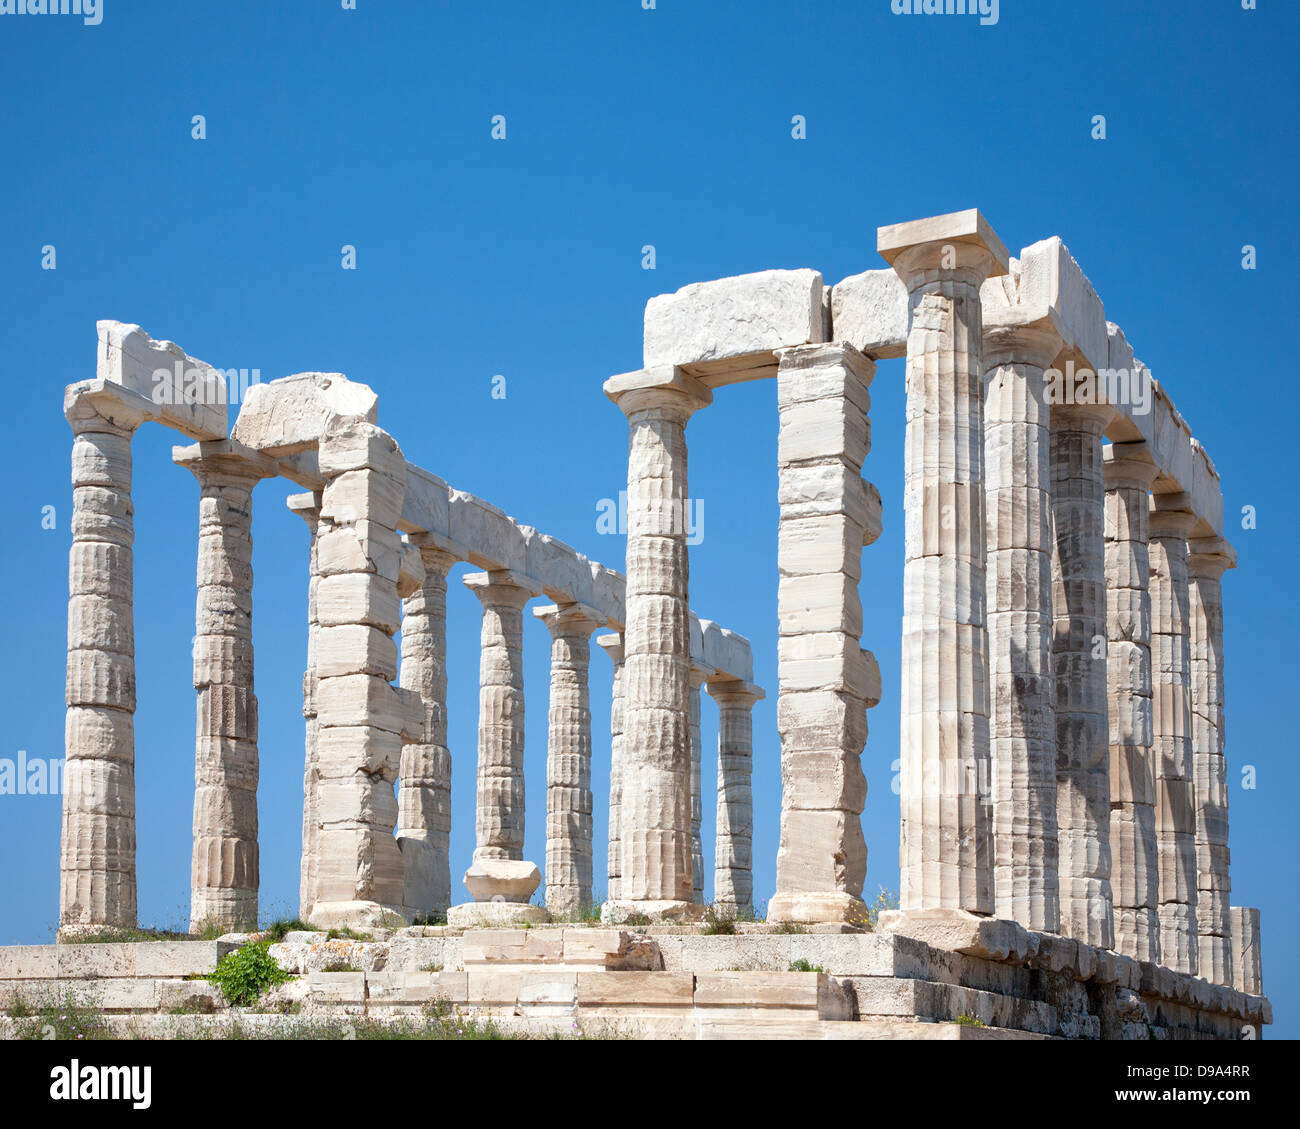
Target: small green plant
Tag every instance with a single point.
(431, 919)
(804, 965)
(719, 921)
(340, 966)
(791, 927)
(431, 968)
(277, 931)
(966, 1020)
(246, 974)
(346, 933)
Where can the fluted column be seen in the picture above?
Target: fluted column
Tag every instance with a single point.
(1022, 722)
(224, 872)
(613, 646)
(307, 506)
(97, 846)
(364, 720)
(733, 866)
(1208, 560)
(656, 769)
(1135, 867)
(1247, 965)
(946, 849)
(568, 758)
(499, 872)
(424, 783)
(698, 677)
(1079, 649)
(1172, 714)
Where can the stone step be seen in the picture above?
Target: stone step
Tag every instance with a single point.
(111, 961)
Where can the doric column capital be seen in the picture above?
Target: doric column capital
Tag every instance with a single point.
(1210, 557)
(1021, 335)
(503, 588)
(1094, 418)
(1169, 519)
(440, 554)
(667, 391)
(570, 621)
(733, 693)
(104, 407)
(699, 675)
(1130, 465)
(612, 645)
(225, 462)
(961, 245)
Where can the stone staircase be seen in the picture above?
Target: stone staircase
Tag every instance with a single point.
(637, 982)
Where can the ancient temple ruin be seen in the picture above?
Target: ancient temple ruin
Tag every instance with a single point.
(1063, 787)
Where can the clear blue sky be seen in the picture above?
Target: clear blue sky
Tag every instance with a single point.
(625, 127)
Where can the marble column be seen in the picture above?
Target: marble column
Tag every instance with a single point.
(733, 865)
(1171, 664)
(1209, 558)
(568, 758)
(826, 681)
(499, 874)
(424, 780)
(656, 769)
(1247, 966)
(946, 853)
(1135, 868)
(1079, 651)
(699, 676)
(224, 872)
(97, 846)
(307, 507)
(364, 720)
(613, 646)
(1022, 721)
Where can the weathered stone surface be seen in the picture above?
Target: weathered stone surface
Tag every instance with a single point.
(730, 329)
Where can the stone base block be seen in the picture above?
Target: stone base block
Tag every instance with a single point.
(335, 915)
(507, 880)
(478, 915)
(957, 931)
(627, 912)
(815, 909)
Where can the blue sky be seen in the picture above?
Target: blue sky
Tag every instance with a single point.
(522, 258)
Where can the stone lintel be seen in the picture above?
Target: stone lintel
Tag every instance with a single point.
(968, 228)
(187, 394)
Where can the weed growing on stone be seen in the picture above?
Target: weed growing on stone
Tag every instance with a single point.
(246, 974)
